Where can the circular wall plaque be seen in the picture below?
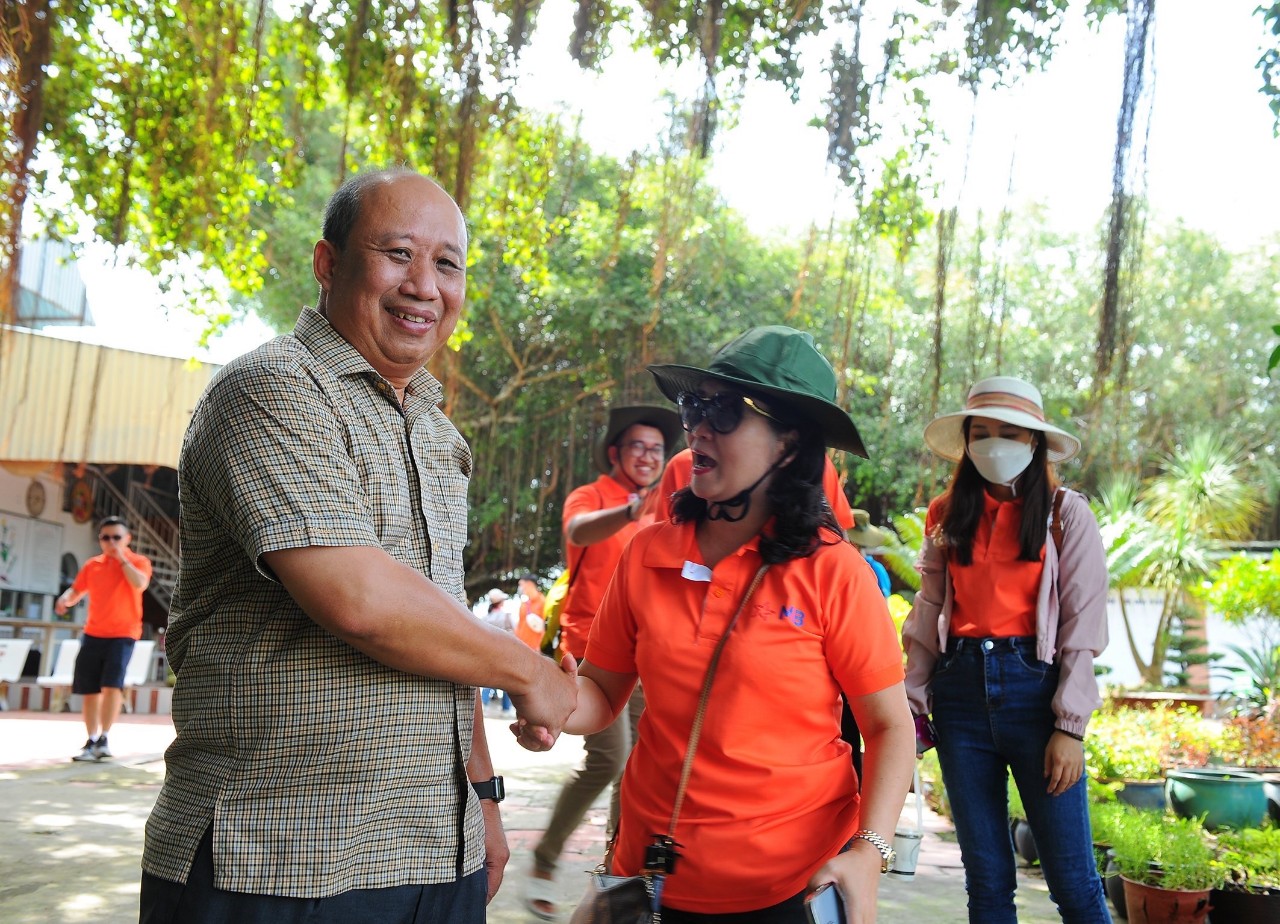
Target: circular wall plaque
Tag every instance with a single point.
(35, 497)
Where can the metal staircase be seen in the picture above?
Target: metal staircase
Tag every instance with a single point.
(155, 532)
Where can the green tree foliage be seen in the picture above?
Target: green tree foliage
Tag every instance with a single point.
(1269, 63)
(215, 132)
(155, 109)
(1245, 588)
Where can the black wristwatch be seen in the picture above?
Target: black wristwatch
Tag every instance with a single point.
(491, 789)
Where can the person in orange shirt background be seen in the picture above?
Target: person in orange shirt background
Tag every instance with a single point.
(772, 807)
(113, 582)
(599, 520)
(529, 621)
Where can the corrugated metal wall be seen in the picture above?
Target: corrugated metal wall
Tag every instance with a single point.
(62, 401)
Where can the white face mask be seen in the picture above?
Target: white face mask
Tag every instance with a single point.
(998, 460)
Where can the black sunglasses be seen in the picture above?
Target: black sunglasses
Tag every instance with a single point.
(111, 537)
(722, 412)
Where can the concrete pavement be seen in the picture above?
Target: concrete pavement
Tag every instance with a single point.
(71, 833)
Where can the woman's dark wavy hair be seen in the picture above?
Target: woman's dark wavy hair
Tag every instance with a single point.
(796, 495)
(963, 502)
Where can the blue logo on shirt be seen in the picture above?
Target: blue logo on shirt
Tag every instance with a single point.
(793, 615)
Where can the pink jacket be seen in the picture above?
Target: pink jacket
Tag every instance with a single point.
(1071, 616)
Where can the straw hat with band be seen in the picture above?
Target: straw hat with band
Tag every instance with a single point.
(774, 363)
(620, 418)
(1006, 399)
(863, 534)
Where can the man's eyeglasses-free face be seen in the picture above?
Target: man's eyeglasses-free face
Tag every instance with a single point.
(722, 411)
(111, 537)
(639, 449)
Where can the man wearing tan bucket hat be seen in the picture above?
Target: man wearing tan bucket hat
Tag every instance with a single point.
(1000, 643)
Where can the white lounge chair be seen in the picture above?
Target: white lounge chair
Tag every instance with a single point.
(13, 657)
(64, 666)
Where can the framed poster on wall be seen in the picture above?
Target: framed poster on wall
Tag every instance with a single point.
(30, 554)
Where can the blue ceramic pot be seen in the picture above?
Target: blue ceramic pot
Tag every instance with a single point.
(1227, 798)
(1143, 794)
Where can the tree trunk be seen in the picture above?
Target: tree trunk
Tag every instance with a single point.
(27, 28)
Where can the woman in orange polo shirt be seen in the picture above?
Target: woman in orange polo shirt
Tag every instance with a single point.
(772, 802)
(1000, 646)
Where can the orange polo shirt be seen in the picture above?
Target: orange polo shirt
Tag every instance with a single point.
(679, 471)
(591, 566)
(530, 636)
(115, 605)
(996, 595)
(773, 794)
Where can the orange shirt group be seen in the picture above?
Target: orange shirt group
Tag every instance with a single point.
(115, 605)
(773, 794)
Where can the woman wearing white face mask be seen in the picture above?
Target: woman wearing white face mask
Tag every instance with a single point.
(1000, 646)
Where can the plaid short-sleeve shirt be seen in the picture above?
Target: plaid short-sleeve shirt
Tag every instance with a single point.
(319, 769)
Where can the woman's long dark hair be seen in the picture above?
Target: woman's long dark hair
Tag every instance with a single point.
(796, 496)
(963, 502)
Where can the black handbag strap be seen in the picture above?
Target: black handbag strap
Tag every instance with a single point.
(696, 731)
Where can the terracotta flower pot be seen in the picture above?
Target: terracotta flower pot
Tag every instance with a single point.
(1148, 904)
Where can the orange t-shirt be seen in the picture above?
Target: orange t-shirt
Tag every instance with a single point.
(772, 795)
(526, 633)
(591, 566)
(996, 595)
(115, 605)
(679, 471)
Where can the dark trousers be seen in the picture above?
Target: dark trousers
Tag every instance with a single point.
(199, 902)
(790, 911)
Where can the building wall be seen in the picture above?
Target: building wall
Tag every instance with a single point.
(1144, 612)
(79, 539)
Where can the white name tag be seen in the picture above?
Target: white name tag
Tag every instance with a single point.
(692, 571)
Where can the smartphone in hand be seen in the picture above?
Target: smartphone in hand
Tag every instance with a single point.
(823, 906)
(925, 735)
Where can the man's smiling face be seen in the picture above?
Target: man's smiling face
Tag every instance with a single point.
(396, 290)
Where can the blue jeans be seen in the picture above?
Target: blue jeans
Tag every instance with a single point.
(486, 693)
(992, 711)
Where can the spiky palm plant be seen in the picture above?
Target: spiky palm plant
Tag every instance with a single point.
(1164, 534)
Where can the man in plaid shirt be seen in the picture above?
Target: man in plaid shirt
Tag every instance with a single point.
(330, 762)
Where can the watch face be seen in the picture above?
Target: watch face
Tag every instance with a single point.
(35, 498)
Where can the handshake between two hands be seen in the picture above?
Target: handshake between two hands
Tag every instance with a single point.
(539, 730)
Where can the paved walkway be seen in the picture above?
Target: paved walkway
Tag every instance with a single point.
(71, 833)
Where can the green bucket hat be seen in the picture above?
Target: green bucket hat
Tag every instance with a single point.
(620, 418)
(774, 362)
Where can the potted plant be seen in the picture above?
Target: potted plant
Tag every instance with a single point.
(1122, 751)
(1251, 894)
(1219, 796)
(1168, 867)
(1106, 815)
